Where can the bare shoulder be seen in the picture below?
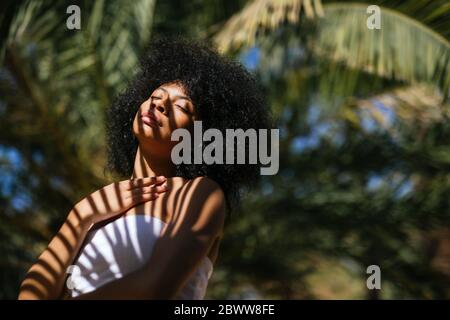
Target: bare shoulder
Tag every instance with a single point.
(202, 201)
(207, 190)
(205, 184)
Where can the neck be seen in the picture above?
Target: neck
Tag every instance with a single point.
(147, 164)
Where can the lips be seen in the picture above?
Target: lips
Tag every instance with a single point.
(150, 119)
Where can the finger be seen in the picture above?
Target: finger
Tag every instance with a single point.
(149, 189)
(136, 199)
(158, 188)
(146, 181)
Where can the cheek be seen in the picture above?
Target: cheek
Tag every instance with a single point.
(183, 120)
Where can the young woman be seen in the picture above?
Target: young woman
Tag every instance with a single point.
(156, 234)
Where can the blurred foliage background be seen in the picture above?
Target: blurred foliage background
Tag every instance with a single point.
(364, 153)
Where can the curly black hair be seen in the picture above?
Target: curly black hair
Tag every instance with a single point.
(225, 96)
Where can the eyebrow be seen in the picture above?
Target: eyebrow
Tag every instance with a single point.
(179, 97)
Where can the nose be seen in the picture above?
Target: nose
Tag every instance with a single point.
(159, 104)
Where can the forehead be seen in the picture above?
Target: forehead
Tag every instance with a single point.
(173, 88)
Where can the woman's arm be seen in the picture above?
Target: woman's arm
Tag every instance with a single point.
(45, 279)
(197, 221)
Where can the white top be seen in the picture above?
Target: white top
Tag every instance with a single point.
(123, 246)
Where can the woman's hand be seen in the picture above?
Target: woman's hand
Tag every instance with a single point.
(118, 197)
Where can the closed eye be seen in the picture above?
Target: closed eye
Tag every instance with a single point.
(183, 109)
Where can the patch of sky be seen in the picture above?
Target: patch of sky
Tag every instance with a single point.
(368, 122)
(11, 163)
(21, 201)
(387, 112)
(319, 128)
(303, 143)
(12, 156)
(313, 115)
(399, 183)
(250, 58)
(404, 189)
(374, 182)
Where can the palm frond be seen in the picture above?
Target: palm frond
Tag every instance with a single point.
(403, 49)
(244, 27)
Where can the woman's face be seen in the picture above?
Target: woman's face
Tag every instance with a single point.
(167, 108)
